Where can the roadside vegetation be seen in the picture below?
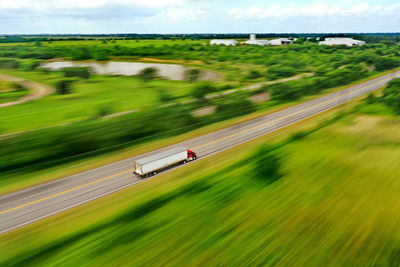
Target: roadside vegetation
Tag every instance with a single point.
(317, 202)
(91, 114)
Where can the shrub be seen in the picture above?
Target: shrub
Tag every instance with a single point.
(104, 111)
(371, 99)
(384, 63)
(201, 90)
(234, 106)
(64, 87)
(80, 72)
(33, 65)
(280, 71)
(253, 74)
(81, 53)
(164, 96)
(101, 55)
(391, 95)
(9, 64)
(18, 87)
(148, 74)
(192, 75)
(267, 165)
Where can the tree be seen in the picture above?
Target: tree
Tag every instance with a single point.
(9, 64)
(253, 74)
(64, 87)
(268, 164)
(391, 95)
(101, 55)
(104, 111)
(164, 96)
(33, 65)
(192, 75)
(81, 53)
(80, 72)
(385, 63)
(233, 106)
(280, 71)
(201, 90)
(371, 99)
(148, 74)
(18, 87)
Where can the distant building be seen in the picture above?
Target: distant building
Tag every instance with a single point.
(310, 38)
(223, 42)
(253, 41)
(280, 41)
(342, 41)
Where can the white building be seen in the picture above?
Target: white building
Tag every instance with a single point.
(280, 41)
(254, 41)
(223, 42)
(342, 41)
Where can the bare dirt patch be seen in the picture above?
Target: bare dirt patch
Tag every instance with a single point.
(37, 90)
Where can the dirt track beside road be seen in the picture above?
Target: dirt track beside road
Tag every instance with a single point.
(37, 90)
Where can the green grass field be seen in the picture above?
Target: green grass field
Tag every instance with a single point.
(117, 94)
(336, 203)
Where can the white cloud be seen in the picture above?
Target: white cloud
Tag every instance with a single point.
(71, 4)
(171, 16)
(24, 16)
(180, 15)
(318, 9)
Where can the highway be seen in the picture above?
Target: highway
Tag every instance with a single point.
(29, 205)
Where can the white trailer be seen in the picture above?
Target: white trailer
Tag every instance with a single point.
(150, 165)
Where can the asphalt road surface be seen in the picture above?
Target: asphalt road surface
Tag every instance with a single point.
(26, 206)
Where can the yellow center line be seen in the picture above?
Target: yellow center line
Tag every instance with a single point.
(277, 119)
(209, 143)
(63, 192)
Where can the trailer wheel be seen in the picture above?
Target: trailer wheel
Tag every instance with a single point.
(154, 173)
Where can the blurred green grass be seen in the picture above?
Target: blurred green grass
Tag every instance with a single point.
(88, 97)
(337, 204)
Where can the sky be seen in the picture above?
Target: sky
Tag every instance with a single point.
(197, 16)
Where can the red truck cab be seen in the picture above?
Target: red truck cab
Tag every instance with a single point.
(191, 155)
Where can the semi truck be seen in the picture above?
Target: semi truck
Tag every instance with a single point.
(151, 165)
